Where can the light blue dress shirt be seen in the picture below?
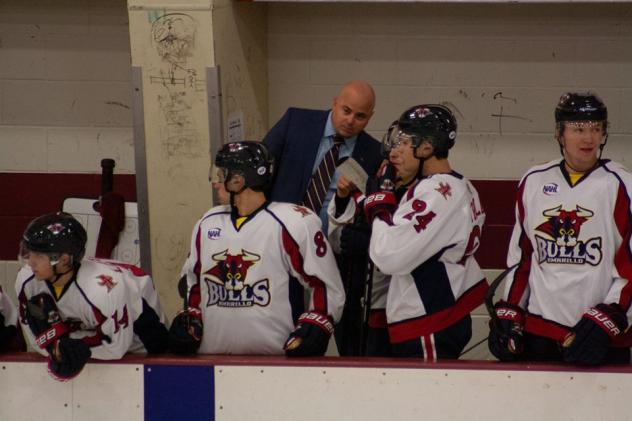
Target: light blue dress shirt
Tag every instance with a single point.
(326, 142)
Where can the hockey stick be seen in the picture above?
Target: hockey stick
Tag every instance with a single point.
(489, 296)
(368, 295)
(489, 305)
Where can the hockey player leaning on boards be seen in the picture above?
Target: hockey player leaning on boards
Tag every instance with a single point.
(568, 296)
(72, 308)
(427, 242)
(239, 297)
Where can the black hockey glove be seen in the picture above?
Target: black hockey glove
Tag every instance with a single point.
(590, 338)
(380, 205)
(68, 359)
(311, 336)
(505, 338)
(383, 180)
(45, 322)
(150, 330)
(354, 239)
(7, 333)
(185, 334)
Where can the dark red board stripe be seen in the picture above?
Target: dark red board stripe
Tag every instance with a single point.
(28, 195)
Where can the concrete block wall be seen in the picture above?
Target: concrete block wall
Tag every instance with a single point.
(484, 60)
(65, 94)
(65, 99)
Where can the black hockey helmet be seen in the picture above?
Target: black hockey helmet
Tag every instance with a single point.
(55, 234)
(583, 106)
(247, 158)
(430, 121)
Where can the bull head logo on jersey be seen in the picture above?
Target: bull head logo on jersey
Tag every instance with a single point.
(233, 268)
(564, 225)
(563, 245)
(227, 281)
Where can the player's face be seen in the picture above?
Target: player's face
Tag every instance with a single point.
(351, 112)
(222, 195)
(581, 141)
(40, 264)
(402, 156)
(217, 182)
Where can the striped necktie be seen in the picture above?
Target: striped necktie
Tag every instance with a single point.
(320, 181)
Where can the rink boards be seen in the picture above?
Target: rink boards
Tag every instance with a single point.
(259, 388)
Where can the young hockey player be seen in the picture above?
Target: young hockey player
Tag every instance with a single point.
(72, 308)
(427, 242)
(568, 295)
(239, 295)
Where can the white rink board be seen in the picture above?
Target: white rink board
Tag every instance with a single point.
(101, 392)
(372, 394)
(128, 249)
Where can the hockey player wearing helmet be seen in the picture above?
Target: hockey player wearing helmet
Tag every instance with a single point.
(568, 296)
(72, 308)
(347, 222)
(237, 282)
(426, 242)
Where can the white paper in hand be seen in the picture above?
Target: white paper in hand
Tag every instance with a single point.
(354, 173)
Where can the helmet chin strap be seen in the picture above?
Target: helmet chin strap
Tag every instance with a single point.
(57, 275)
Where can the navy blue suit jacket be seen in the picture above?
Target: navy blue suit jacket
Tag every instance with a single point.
(294, 142)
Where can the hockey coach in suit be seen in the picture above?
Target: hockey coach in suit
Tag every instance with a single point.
(307, 146)
(301, 139)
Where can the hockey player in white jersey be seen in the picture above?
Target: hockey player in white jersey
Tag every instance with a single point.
(8, 322)
(568, 295)
(426, 243)
(72, 308)
(239, 294)
(398, 173)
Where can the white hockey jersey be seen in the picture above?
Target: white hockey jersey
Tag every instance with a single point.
(571, 245)
(100, 305)
(240, 277)
(8, 310)
(428, 251)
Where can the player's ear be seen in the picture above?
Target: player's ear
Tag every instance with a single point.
(559, 133)
(424, 150)
(238, 182)
(65, 260)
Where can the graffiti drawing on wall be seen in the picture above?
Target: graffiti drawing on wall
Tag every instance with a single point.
(173, 37)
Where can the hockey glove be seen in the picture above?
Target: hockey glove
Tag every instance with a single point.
(380, 205)
(383, 180)
(505, 338)
(311, 336)
(354, 239)
(45, 322)
(68, 358)
(185, 334)
(7, 333)
(590, 338)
